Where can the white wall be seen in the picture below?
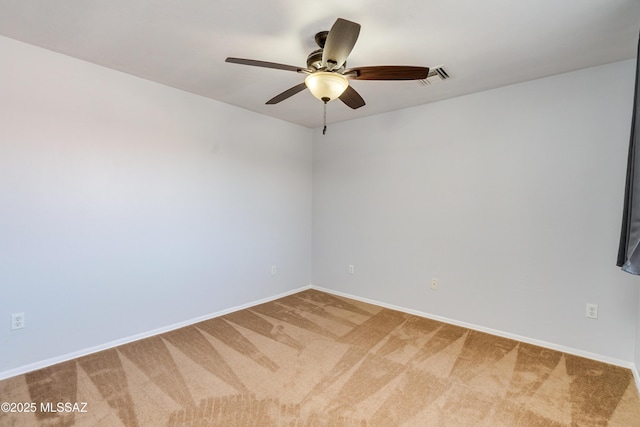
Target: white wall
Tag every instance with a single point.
(512, 198)
(127, 206)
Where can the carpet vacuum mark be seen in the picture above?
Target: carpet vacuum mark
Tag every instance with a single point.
(315, 359)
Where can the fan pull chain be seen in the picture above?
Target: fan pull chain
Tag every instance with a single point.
(324, 117)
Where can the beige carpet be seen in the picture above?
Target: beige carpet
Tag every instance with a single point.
(314, 359)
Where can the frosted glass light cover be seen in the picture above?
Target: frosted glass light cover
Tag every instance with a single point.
(323, 84)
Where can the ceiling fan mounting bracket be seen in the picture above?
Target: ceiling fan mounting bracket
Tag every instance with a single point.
(332, 64)
(321, 38)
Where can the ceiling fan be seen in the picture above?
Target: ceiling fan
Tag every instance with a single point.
(327, 76)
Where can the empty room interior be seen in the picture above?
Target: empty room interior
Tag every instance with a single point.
(145, 187)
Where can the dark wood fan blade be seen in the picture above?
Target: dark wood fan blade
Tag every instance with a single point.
(388, 72)
(264, 64)
(352, 98)
(287, 94)
(340, 41)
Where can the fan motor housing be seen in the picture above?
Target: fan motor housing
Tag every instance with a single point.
(314, 60)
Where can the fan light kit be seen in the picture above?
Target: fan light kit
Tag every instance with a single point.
(326, 86)
(328, 79)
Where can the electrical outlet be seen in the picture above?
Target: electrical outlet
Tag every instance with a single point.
(17, 321)
(352, 269)
(592, 311)
(434, 284)
(274, 270)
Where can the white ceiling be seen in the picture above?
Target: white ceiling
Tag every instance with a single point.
(482, 44)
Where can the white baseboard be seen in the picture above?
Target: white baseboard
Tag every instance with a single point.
(84, 352)
(73, 355)
(552, 346)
